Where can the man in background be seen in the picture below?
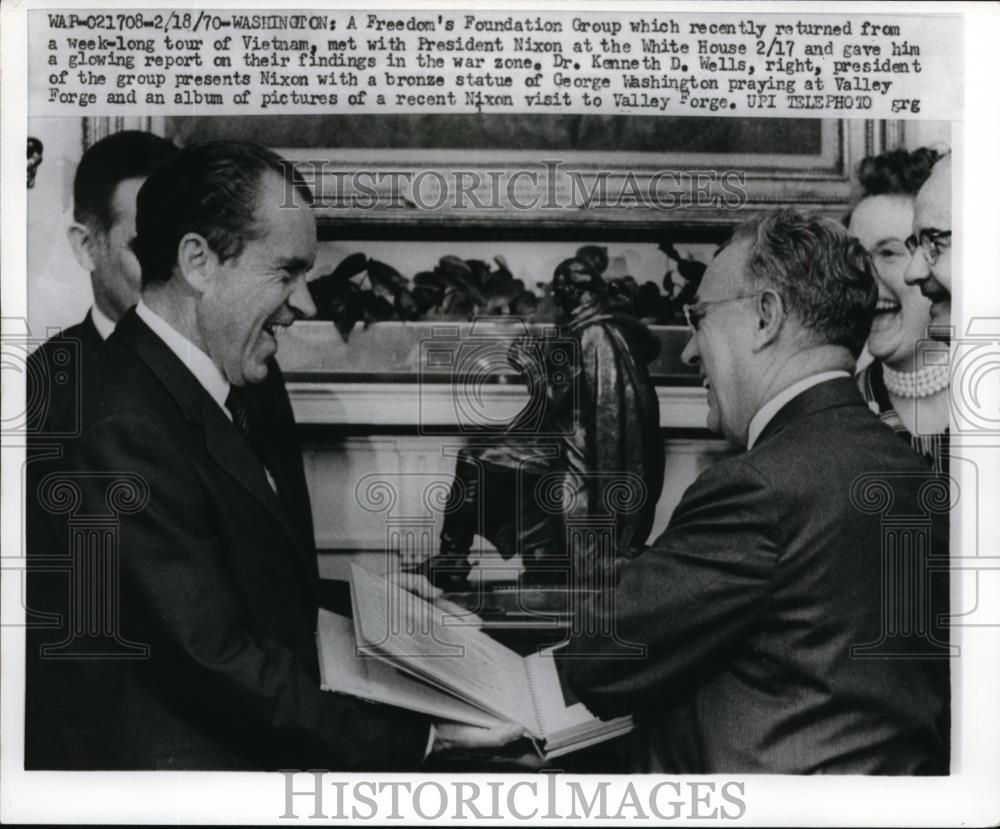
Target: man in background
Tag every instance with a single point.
(755, 635)
(930, 266)
(104, 190)
(107, 180)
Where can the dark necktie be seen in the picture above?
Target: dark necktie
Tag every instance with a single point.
(239, 412)
(241, 419)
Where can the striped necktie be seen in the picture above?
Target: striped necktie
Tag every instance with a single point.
(241, 419)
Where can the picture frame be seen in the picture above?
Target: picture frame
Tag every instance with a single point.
(548, 177)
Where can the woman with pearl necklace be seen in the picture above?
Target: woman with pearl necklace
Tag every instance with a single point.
(907, 382)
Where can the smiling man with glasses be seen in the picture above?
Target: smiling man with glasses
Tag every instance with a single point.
(782, 306)
(739, 637)
(932, 235)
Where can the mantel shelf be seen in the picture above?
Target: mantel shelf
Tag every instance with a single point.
(434, 405)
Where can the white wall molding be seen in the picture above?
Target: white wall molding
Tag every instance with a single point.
(435, 405)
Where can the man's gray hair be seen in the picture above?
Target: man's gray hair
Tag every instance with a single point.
(824, 276)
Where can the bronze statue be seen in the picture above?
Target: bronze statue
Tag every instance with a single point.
(35, 150)
(579, 472)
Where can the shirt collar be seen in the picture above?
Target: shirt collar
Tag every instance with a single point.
(198, 362)
(103, 323)
(776, 403)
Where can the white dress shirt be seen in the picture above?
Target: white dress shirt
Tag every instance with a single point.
(775, 404)
(198, 362)
(105, 327)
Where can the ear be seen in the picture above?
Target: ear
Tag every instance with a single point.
(80, 238)
(769, 319)
(196, 262)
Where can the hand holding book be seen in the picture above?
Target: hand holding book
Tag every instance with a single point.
(457, 737)
(458, 745)
(403, 650)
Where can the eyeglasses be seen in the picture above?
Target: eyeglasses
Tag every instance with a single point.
(931, 243)
(695, 313)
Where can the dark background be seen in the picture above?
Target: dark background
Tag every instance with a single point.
(522, 131)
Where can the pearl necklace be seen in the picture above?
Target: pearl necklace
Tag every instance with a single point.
(921, 383)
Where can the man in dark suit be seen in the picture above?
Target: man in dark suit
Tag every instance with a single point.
(105, 185)
(212, 562)
(107, 179)
(766, 629)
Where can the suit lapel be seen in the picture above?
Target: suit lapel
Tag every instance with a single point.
(223, 441)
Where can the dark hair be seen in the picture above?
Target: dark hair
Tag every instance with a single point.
(211, 189)
(109, 162)
(824, 275)
(897, 172)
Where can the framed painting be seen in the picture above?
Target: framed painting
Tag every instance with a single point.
(551, 175)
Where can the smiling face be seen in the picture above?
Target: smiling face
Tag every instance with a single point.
(261, 289)
(881, 224)
(722, 345)
(933, 213)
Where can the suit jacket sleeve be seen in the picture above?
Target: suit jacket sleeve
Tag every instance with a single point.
(679, 606)
(173, 579)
